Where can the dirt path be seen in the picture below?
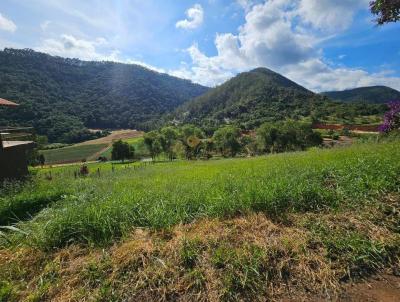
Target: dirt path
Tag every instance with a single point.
(383, 288)
(379, 288)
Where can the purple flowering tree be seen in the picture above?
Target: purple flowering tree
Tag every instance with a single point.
(392, 118)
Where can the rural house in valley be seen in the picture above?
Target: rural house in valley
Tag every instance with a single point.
(14, 146)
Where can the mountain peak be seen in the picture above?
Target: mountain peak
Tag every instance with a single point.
(251, 98)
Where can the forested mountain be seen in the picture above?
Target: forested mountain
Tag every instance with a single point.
(62, 97)
(261, 95)
(373, 95)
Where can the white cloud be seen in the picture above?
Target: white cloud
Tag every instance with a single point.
(7, 24)
(246, 4)
(72, 47)
(328, 14)
(319, 76)
(280, 35)
(140, 63)
(195, 16)
(68, 46)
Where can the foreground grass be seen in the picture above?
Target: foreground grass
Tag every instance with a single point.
(99, 210)
(71, 154)
(248, 258)
(290, 225)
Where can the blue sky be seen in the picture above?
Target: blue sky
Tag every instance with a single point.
(321, 44)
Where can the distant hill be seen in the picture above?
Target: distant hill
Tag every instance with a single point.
(61, 97)
(260, 95)
(372, 95)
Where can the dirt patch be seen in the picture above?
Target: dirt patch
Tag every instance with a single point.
(382, 288)
(115, 135)
(342, 141)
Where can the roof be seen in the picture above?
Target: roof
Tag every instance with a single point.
(4, 102)
(12, 144)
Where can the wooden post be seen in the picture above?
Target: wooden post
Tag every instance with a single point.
(98, 172)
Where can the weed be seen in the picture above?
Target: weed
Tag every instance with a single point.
(190, 252)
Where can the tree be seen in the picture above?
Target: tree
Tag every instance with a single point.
(190, 137)
(386, 10)
(249, 144)
(226, 140)
(287, 136)
(170, 135)
(41, 160)
(268, 134)
(154, 143)
(121, 151)
(392, 118)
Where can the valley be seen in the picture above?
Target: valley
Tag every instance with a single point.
(257, 189)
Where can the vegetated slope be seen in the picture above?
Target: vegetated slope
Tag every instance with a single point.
(263, 95)
(229, 230)
(373, 95)
(60, 95)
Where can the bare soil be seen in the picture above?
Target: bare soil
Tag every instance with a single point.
(115, 135)
(381, 288)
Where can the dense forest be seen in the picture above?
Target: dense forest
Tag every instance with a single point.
(261, 95)
(61, 98)
(372, 95)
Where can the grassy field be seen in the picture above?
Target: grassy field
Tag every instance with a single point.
(91, 150)
(71, 154)
(232, 229)
(137, 143)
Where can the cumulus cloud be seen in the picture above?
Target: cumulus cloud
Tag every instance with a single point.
(284, 35)
(328, 14)
(72, 47)
(69, 46)
(195, 16)
(7, 24)
(246, 4)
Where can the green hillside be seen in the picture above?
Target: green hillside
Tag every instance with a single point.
(373, 95)
(61, 97)
(260, 95)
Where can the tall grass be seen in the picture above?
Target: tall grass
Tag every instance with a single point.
(99, 210)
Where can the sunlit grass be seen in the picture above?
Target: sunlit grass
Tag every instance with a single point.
(102, 208)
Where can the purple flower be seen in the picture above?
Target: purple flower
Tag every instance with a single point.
(392, 117)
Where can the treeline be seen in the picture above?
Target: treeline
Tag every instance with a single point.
(190, 142)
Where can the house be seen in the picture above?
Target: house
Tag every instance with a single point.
(15, 143)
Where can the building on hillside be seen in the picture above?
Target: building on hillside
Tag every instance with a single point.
(15, 143)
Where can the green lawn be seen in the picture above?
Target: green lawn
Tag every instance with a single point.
(71, 154)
